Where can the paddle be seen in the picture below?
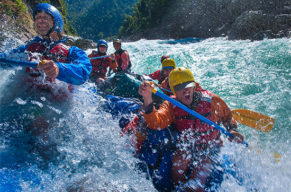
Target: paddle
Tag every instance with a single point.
(243, 116)
(100, 57)
(14, 63)
(195, 114)
(253, 119)
(202, 118)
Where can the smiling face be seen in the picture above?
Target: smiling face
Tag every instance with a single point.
(102, 49)
(43, 22)
(185, 96)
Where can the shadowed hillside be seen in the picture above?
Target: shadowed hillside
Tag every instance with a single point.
(98, 19)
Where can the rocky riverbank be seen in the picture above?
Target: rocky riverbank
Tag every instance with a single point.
(236, 19)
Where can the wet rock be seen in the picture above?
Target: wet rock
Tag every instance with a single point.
(238, 19)
(10, 31)
(257, 25)
(80, 42)
(263, 35)
(250, 23)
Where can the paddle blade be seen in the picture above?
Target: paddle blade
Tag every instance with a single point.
(253, 119)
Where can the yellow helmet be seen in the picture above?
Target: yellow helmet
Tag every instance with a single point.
(168, 62)
(181, 78)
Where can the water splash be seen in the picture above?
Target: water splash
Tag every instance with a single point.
(89, 153)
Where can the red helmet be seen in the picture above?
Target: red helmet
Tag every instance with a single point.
(164, 57)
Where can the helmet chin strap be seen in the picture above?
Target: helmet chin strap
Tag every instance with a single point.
(47, 36)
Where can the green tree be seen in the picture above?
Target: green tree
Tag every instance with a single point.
(96, 19)
(145, 14)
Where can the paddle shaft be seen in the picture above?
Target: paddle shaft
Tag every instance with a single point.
(148, 78)
(12, 63)
(100, 57)
(5, 62)
(246, 117)
(195, 114)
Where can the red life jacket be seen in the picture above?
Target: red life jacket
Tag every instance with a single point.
(158, 75)
(58, 53)
(119, 61)
(99, 66)
(203, 132)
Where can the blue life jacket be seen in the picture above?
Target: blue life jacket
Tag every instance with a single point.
(157, 151)
(121, 106)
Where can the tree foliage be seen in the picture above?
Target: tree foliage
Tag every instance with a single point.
(96, 19)
(13, 8)
(145, 14)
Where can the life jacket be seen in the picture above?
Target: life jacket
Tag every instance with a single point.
(158, 75)
(203, 133)
(162, 77)
(119, 61)
(99, 66)
(166, 87)
(57, 52)
(157, 154)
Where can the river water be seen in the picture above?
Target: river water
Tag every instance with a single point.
(88, 152)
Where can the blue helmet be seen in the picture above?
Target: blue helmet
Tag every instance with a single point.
(102, 42)
(58, 19)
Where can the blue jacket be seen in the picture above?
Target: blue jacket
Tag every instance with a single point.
(78, 68)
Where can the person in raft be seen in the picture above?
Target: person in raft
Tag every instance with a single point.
(100, 65)
(61, 66)
(159, 74)
(121, 57)
(168, 64)
(59, 61)
(198, 143)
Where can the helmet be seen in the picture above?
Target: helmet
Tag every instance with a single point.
(168, 62)
(117, 41)
(57, 17)
(181, 78)
(164, 57)
(102, 42)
